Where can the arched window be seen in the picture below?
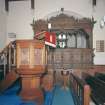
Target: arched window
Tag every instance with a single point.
(81, 41)
(72, 39)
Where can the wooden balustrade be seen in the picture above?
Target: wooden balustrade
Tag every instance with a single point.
(80, 90)
(8, 58)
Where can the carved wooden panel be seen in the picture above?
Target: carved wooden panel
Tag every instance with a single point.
(38, 56)
(57, 59)
(77, 57)
(86, 56)
(67, 60)
(49, 59)
(24, 56)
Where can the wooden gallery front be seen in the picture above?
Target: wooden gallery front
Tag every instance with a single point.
(74, 43)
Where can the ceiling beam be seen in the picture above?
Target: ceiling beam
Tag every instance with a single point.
(94, 2)
(32, 4)
(7, 5)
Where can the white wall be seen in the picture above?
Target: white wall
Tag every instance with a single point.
(19, 19)
(99, 33)
(20, 16)
(2, 24)
(82, 7)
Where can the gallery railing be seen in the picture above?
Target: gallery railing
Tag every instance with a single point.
(80, 90)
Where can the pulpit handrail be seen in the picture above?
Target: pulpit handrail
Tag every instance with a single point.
(7, 58)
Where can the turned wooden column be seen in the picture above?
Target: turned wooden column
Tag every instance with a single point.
(65, 75)
(31, 61)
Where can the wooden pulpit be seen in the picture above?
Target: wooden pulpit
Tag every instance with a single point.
(31, 64)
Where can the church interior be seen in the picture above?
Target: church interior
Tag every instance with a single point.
(52, 53)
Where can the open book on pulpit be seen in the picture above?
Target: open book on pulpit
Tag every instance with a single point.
(48, 37)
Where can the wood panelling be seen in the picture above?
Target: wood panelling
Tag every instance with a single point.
(30, 53)
(71, 58)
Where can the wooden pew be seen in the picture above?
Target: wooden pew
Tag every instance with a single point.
(97, 89)
(80, 90)
(100, 76)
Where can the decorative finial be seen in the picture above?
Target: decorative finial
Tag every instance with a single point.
(93, 21)
(49, 26)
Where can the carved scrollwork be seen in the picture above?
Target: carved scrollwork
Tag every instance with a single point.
(62, 21)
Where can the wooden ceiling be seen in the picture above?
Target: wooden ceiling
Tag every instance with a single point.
(7, 4)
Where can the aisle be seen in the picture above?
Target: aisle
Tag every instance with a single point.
(62, 97)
